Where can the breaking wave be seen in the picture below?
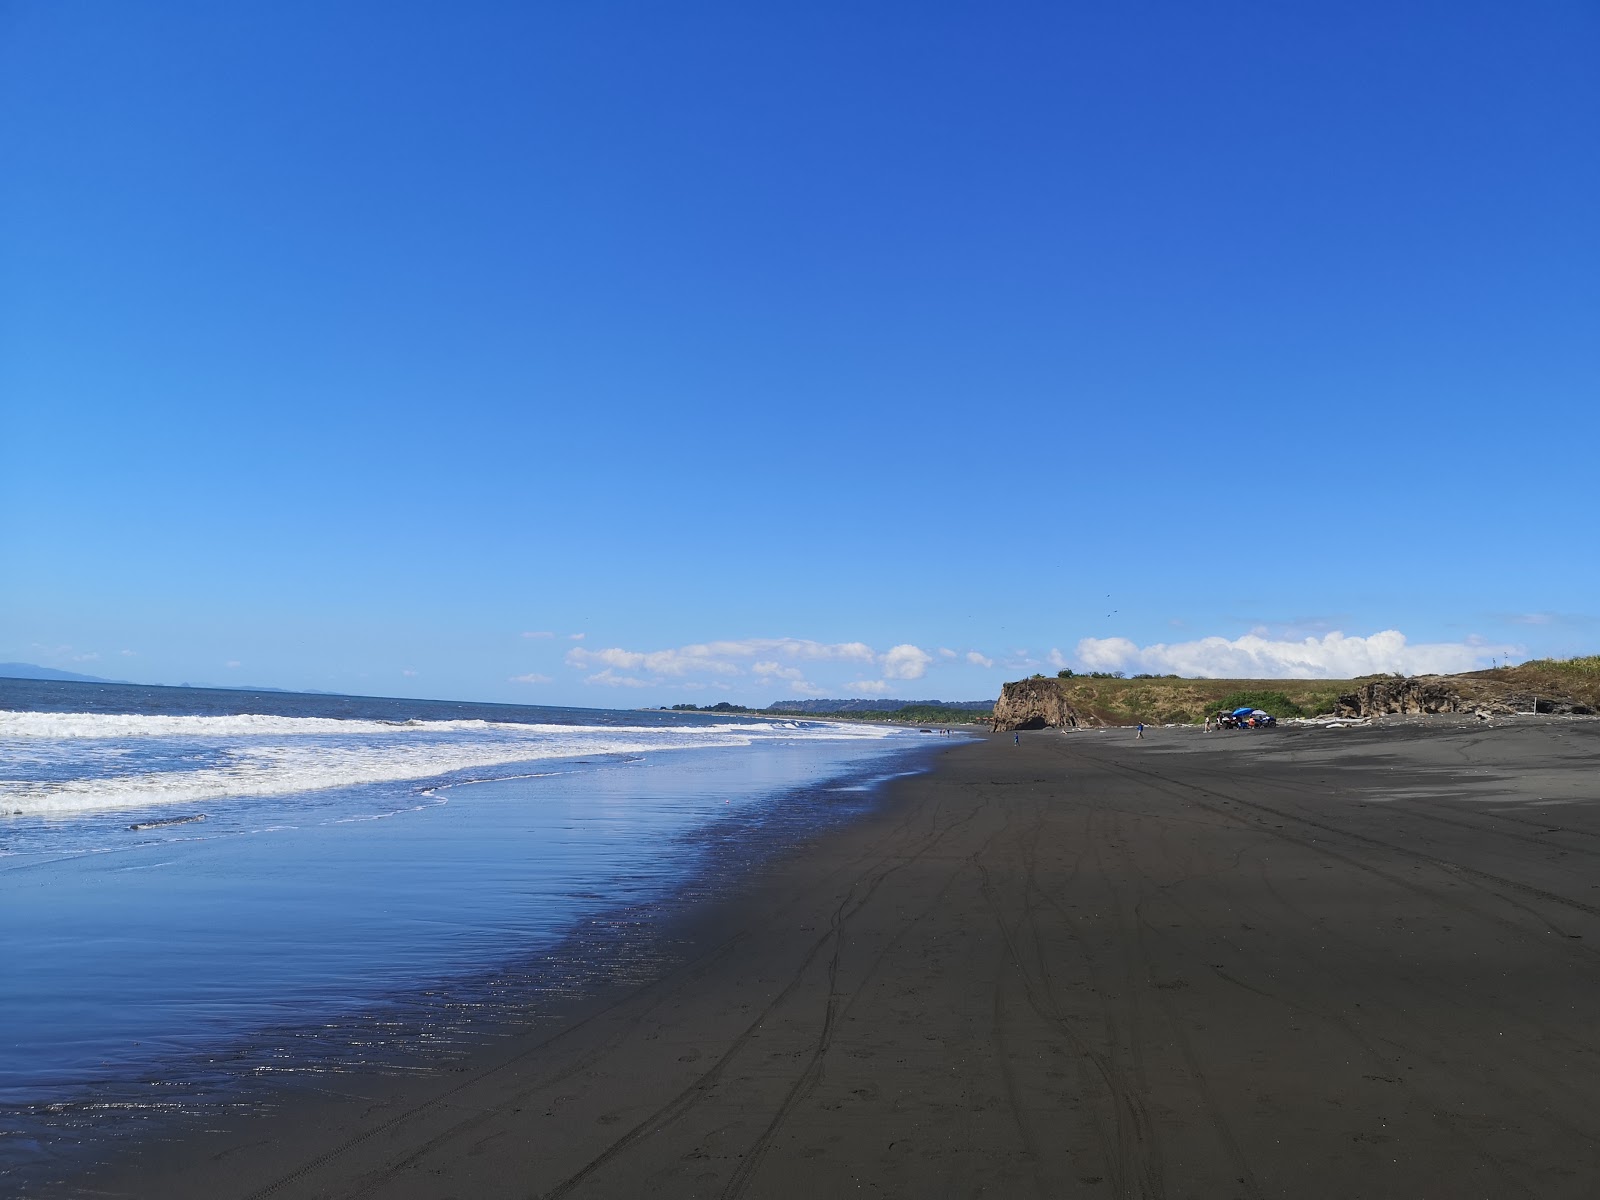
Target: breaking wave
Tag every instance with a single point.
(67, 763)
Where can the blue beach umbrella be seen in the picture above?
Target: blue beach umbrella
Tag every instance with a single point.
(1243, 712)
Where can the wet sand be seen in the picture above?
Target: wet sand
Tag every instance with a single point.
(1300, 963)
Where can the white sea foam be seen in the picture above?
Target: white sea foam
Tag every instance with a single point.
(141, 725)
(144, 725)
(256, 756)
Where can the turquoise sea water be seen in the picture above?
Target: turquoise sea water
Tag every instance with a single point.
(205, 892)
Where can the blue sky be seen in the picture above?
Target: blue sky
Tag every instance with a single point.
(740, 351)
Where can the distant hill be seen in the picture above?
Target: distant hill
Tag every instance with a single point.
(30, 671)
(847, 706)
(1551, 685)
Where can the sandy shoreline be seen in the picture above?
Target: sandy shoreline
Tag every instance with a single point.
(1309, 962)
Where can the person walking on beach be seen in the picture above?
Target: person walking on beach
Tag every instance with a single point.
(1141, 732)
(1016, 739)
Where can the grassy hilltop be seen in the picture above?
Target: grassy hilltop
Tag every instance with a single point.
(1160, 699)
(1577, 678)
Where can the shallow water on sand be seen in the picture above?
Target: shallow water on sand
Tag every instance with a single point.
(147, 970)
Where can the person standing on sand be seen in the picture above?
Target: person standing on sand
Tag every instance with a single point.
(1140, 736)
(1016, 739)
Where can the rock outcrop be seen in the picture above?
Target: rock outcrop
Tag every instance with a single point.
(1035, 704)
(1418, 694)
(1422, 694)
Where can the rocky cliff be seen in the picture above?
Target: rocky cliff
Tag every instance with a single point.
(1035, 704)
(1076, 701)
(1450, 694)
(1419, 694)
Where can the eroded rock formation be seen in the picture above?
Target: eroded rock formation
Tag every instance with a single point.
(1422, 694)
(1418, 694)
(1035, 704)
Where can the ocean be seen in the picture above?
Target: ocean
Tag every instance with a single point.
(208, 895)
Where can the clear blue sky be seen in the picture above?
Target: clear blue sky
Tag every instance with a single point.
(342, 345)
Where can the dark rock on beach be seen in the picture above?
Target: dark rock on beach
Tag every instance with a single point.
(1035, 704)
(1417, 695)
(1429, 694)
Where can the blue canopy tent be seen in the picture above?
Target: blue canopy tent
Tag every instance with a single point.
(1243, 712)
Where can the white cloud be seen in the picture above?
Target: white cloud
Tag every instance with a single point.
(766, 672)
(231, 663)
(744, 663)
(128, 653)
(1104, 653)
(778, 671)
(872, 687)
(409, 673)
(576, 637)
(906, 662)
(1056, 659)
(538, 633)
(719, 658)
(1295, 628)
(610, 678)
(1333, 656)
(530, 677)
(979, 660)
(946, 652)
(659, 662)
(90, 656)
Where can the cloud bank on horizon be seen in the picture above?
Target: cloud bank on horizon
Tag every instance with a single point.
(796, 664)
(1254, 656)
(763, 661)
(759, 669)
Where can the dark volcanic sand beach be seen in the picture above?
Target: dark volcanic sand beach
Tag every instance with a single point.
(1300, 963)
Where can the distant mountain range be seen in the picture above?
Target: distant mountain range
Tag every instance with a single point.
(29, 671)
(836, 706)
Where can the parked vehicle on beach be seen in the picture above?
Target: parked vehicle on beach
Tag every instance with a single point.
(1246, 718)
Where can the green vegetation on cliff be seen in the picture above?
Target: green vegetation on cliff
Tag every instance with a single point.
(1586, 667)
(1190, 701)
(1107, 700)
(1274, 702)
(1575, 678)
